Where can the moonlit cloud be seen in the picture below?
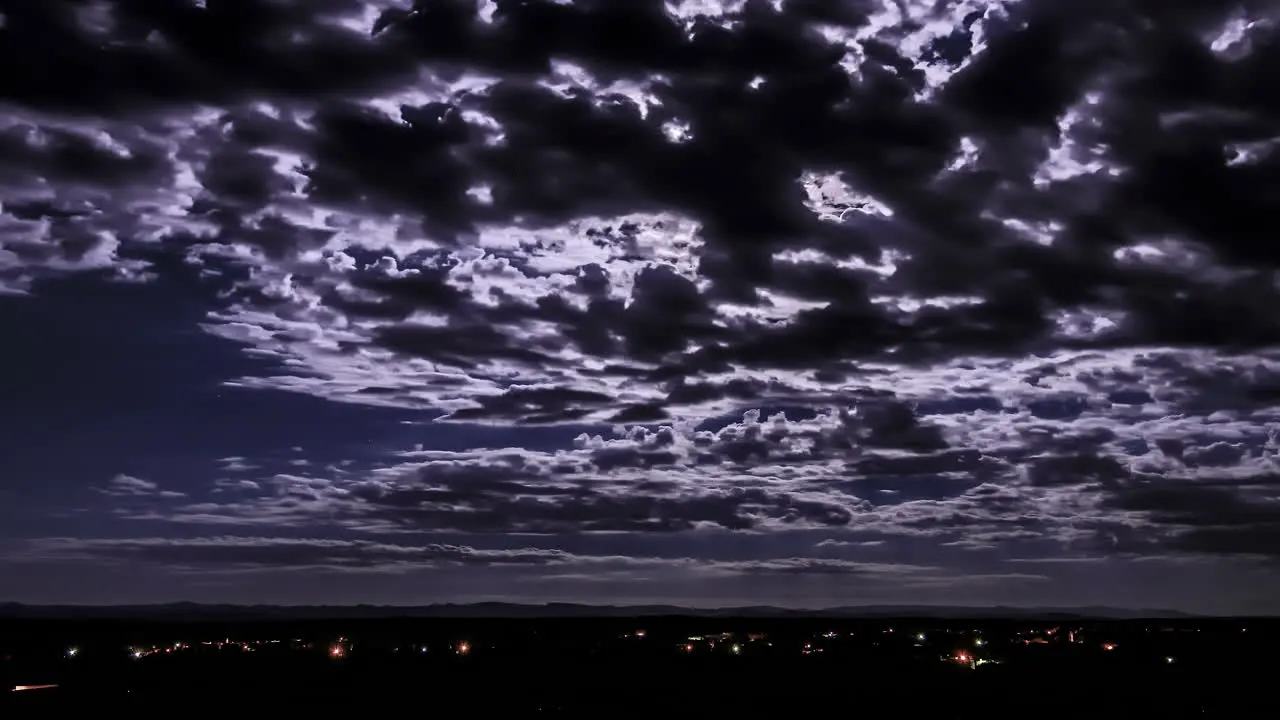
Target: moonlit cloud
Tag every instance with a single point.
(993, 275)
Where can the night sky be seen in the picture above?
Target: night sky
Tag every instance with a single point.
(713, 303)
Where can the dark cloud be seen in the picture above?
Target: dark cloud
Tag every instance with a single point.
(1006, 265)
(570, 127)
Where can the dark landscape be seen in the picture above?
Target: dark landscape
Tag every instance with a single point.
(578, 660)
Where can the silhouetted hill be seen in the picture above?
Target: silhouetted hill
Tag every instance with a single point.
(186, 611)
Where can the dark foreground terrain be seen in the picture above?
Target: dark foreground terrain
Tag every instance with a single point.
(646, 667)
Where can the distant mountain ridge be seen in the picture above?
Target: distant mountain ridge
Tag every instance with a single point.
(197, 611)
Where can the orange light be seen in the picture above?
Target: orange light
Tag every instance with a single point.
(464, 648)
(21, 688)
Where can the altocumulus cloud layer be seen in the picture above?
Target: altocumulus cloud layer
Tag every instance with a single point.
(994, 281)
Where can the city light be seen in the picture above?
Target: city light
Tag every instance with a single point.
(969, 647)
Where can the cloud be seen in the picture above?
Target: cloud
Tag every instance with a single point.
(240, 554)
(438, 179)
(1007, 269)
(775, 473)
(248, 553)
(129, 486)
(1005, 480)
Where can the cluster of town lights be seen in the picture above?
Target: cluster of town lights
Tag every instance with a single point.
(341, 647)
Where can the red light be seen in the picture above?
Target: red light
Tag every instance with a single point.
(336, 651)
